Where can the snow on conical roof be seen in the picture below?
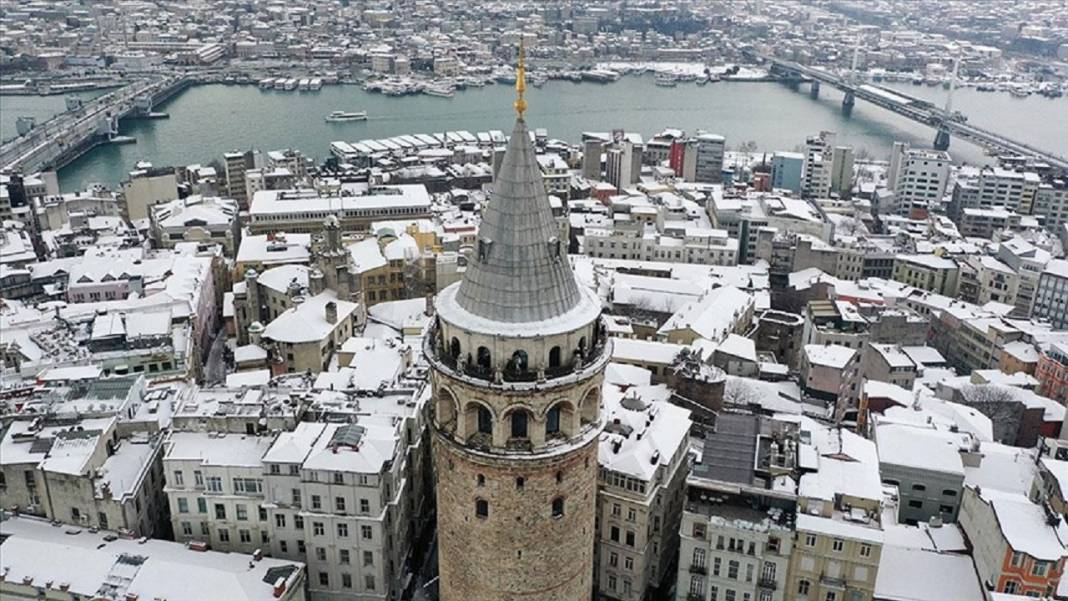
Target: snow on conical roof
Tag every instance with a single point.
(520, 272)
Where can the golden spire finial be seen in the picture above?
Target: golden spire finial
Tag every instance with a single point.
(521, 80)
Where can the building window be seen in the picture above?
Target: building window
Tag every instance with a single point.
(1039, 568)
(558, 507)
(614, 534)
(342, 530)
(214, 484)
(368, 558)
(298, 522)
(697, 585)
(366, 532)
(810, 540)
(480, 480)
(837, 545)
(183, 505)
(187, 529)
(732, 569)
(831, 596)
(318, 529)
(717, 563)
(220, 511)
(369, 582)
(865, 550)
(339, 478)
(346, 580)
(224, 535)
(520, 482)
(630, 538)
(339, 504)
(320, 553)
(280, 520)
(179, 480)
(244, 535)
(802, 587)
(317, 502)
(324, 579)
(481, 508)
(242, 512)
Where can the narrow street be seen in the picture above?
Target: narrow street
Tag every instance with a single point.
(215, 367)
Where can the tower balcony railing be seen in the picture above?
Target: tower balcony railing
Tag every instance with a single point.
(512, 373)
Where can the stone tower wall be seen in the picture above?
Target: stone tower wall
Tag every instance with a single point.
(520, 550)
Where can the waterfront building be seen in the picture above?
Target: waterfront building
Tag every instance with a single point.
(819, 157)
(991, 187)
(147, 186)
(623, 163)
(517, 352)
(235, 165)
(644, 461)
(197, 219)
(786, 171)
(73, 563)
(1051, 296)
(920, 179)
(842, 172)
(358, 205)
(708, 163)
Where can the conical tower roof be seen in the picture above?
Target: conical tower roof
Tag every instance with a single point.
(519, 272)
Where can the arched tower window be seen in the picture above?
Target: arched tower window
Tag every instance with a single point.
(454, 348)
(484, 358)
(481, 508)
(554, 357)
(558, 507)
(520, 482)
(485, 420)
(518, 363)
(520, 422)
(582, 345)
(552, 421)
(480, 480)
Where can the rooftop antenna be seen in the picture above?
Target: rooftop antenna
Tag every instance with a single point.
(521, 80)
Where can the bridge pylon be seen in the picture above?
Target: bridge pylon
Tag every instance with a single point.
(814, 89)
(848, 102)
(941, 141)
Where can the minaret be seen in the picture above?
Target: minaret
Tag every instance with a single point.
(518, 354)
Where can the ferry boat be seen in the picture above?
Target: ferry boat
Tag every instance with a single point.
(267, 84)
(280, 83)
(315, 84)
(666, 81)
(344, 116)
(441, 90)
(304, 84)
(600, 75)
(291, 84)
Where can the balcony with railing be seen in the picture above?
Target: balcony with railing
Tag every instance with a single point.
(699, 568)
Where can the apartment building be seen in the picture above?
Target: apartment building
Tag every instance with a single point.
(734, 544)
(919, 179)
(984, 279)
(348, 499)
(1052, 372)
(1027, 261)
(839, 533)
(215, 489)
(640, 493)
(927, 272)
(1051, 295)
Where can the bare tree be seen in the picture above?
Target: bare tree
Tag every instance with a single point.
(739, 391)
